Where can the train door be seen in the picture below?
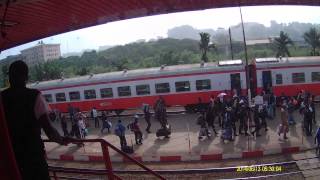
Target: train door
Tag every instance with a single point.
(235, 82)
(252, 79)
(266, 80)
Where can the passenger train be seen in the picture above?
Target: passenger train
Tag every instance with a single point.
(181, 85)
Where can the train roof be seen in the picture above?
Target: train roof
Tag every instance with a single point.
(287, 61)
(140, 73)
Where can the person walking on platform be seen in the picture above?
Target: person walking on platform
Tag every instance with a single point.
(71, 111)
(120, 132)
(235, 112)
(284, 126)
(81, 125)
(135, 128)
(313, 110)
(147, 116)
(256, 121)
(291, 108)
(204, 131)
(94, 115)
(260, 111)
(227, 124)
(64, 125)
(221, 109)
(243, 117)
(308, 115)
(263, 115)
(161, 112)
(272, 106)
(210, 115)
(105, 123)
(75, 128)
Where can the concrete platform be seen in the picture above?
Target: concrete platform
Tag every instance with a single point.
(184, 144)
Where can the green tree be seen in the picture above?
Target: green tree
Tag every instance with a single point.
(46, 71)
(205, 45)
(281, 44)
(312, 37)
(83, 71)
(121, 64)
(38, 72)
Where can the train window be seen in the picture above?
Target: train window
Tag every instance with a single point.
(298, 78)
(90, 94)
(143, 89)
(74, 96)
(203, 84)
(279, 79)
(315, 76)
(124, 91)
(162, 88)
(48, 97)
(106, 92)
(182, 86)
(60, 97)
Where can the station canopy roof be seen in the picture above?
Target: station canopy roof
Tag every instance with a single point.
(24, 21)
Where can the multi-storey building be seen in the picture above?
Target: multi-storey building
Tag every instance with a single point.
(41, 53)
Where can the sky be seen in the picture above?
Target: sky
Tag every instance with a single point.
(152, 27)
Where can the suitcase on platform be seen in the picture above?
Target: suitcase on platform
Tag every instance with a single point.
(127, 149)
(164, 131)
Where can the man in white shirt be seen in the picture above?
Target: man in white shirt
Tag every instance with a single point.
(94, 114)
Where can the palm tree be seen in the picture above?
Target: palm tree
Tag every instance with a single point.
(312, 37)
(281, 43)
(205, 45)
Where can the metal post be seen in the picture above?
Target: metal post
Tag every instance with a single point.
(246, 58)
(107, 161)
(231, 48)
(247, 74)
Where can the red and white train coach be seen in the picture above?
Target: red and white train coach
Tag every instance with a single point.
(288, 75)
(181, 84)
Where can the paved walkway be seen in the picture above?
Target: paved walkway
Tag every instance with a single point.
(309, 164)
(184, 144)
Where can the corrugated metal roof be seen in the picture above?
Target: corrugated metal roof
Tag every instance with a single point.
(35, 19)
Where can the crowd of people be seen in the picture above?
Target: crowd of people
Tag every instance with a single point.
(233, 115)
(237, 116)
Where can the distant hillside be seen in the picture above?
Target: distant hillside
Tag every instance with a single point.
(253, 30)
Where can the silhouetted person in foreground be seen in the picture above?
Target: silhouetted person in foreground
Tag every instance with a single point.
(26, 112)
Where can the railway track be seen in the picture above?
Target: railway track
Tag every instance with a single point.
(243, 169)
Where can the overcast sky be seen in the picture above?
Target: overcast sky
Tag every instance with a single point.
(126, 31)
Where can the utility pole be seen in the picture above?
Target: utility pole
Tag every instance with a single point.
(246, 58)
(247, 77)
(230, 43)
